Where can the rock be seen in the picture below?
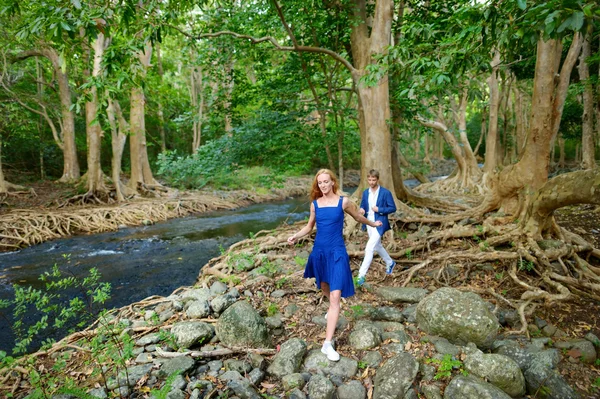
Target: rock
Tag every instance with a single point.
(462, 387)
(410, 313)
(395, 377)
(231, 376)
(257, 361)
(372, 359)
(459, 317)
(289, 358)
(294, 380)
(387, 313)
(196, 294)
(442, 345)
(222, 302)
(581, 349)
(189, 333)
(181, 364)
(290, 310)
(218, 288)
(198, 310)
(499, 370)
(129, 379)
(274, 321)
(317, 362)
(144, 358)
(543, 382)
(98, 393)
(365, 336)
(243, 389)
(278, 294)
(176, 394)
(593, 339)
(321, 321)
(241, 325)
(152, 338)
(179, 383)
(549, 358)
(297, 394)
(431, 391)
(352, 390)
(520, 355)
(240, 366)
(401, 294)
(319, 387)
(256, 376)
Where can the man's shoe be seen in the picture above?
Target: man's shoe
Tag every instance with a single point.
(328, 350)
(360, 281)
(389, 269)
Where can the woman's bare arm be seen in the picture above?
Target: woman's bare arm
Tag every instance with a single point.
(351, 210)
(306, 229)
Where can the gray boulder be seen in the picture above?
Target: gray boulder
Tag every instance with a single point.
(319, 387)
(462, 387)
(395, 377)
(498, 370)
(222, 302)
(402, 294)
(244, 389)
(189, 333)
(459, 317)
(241, 325)
(352, 390)
(546, 383)
(316, 362)
(289, 358)
(198, 310)
(365, 336)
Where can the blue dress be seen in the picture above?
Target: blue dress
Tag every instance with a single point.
(329, 261)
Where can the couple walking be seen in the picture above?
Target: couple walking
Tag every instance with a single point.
(328, 262)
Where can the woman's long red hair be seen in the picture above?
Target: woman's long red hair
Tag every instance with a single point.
(315, 191)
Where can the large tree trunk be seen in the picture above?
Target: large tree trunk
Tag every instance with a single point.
(197, 100)
(71, 171)
(161, 117)
(512, 185)
(95, 181)
(140, 165)
(119, 130)
(373, 100)
(491, 143)
(587, 137)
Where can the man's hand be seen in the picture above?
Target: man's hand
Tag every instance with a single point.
(375, 209)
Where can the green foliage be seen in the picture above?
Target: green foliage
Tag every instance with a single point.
(163, 392)
(595, 386)
(58, 309)
(445, 366)
(300, 261)
(268, 268)
(282, 282)
(362, 365)
(526, 265)
(408, 254)
(272, 309)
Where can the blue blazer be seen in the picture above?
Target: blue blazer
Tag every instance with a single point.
(385, 205)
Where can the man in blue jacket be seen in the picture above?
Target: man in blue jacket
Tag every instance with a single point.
(377, 203)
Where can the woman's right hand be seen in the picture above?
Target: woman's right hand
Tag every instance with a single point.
(291, 240)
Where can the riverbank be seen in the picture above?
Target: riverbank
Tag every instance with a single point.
(251, 327)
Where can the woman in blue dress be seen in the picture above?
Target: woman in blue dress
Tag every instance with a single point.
(328, 262)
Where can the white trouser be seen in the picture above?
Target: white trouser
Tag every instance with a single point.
(373, 245)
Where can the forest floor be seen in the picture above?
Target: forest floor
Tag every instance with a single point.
(575, 318)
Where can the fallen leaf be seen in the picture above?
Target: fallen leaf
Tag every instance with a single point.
(267, 385)
(408, 346)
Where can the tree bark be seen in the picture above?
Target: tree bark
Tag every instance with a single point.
(161, 117)
(491, 143)
(373, 101)
(95, 181)
(197, 100)
(140, 166)
(580, 187)
(71, 171)
(119, 130)
(587, 136)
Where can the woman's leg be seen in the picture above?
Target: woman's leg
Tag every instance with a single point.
(333, 313)
(325, 289)
(332, 319)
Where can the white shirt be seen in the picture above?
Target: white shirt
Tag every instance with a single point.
(373, 195)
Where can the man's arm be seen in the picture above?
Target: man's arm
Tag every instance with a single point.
(387, 204)
(364, 203)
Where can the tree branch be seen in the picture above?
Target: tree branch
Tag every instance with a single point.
(274, 42)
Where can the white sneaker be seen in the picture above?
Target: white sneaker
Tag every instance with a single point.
(328, 350)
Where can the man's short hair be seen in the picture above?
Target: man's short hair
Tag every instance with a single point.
(374, 173)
